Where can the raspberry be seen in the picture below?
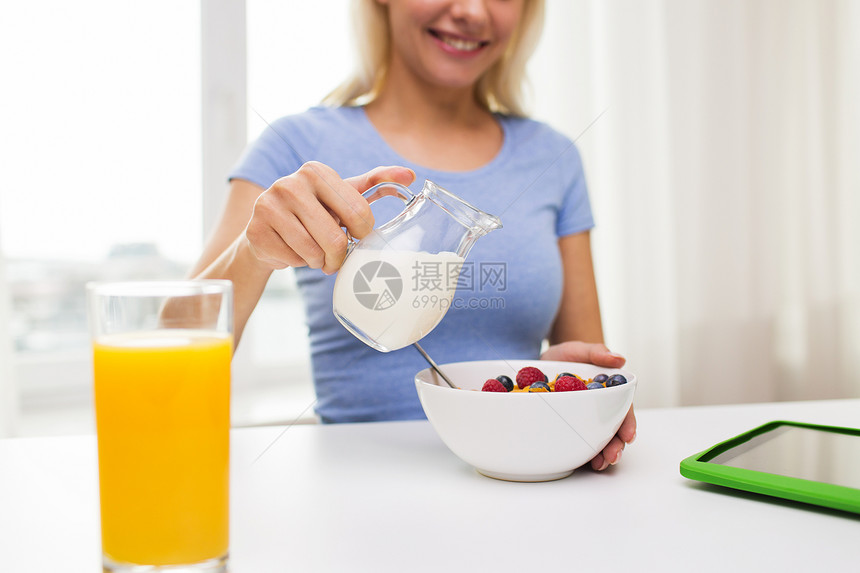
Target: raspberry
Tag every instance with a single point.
(493, 385)
(569, 384)
(529, 375)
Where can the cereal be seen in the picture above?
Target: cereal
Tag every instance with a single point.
(532, 379)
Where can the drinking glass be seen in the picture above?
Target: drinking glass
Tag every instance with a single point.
(161, 364)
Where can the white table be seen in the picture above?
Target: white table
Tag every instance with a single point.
(390, 497)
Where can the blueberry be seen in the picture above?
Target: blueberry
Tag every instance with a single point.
(566, 374)
(594, 386)
(616, 380)
(506, 382)
(539, 387)
(602, 378)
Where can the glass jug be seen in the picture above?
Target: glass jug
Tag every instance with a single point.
(398, 282)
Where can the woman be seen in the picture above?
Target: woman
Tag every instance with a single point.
(438, 97)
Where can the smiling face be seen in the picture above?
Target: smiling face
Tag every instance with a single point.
(449, 43)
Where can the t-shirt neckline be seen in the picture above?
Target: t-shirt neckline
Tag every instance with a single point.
(447, 175)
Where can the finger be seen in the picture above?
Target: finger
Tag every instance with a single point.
(600, 355)
(305, 208)
(269, 247)
(577, 351)
(610, 455)
(396, 174)
(324, 230)
(341, 199)
(627, 431)
(280, 209)
(597, 462)
(356, 216)
(295, 237)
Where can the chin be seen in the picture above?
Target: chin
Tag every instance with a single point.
(455, 79)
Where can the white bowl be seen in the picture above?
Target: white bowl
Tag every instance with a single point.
(522, 436)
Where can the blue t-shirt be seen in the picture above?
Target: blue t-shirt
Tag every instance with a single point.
(535, 185)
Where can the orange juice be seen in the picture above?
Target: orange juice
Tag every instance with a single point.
(163, 420)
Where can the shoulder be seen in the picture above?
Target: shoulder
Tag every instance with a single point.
(293, 139)
(317, 121)
(537, 145)
(528, 131)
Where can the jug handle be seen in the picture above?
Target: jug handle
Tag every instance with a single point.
(378, 191)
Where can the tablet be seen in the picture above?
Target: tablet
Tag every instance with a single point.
(808, 463)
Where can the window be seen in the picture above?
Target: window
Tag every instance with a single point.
(297, 53)
(102, 163)
(103, 141)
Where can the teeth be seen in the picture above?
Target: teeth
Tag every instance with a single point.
(463, 45)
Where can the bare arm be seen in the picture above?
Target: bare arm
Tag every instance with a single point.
(227, 254)
(579, 314)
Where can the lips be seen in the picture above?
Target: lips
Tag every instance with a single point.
(458, 43)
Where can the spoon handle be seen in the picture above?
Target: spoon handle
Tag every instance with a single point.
(432, 364)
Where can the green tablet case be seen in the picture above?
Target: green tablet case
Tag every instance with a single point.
(698, 467)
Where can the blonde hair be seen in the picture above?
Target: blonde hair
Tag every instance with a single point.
(499, 90)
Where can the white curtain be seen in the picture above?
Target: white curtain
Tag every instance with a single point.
(725, 178)
(8, 389)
